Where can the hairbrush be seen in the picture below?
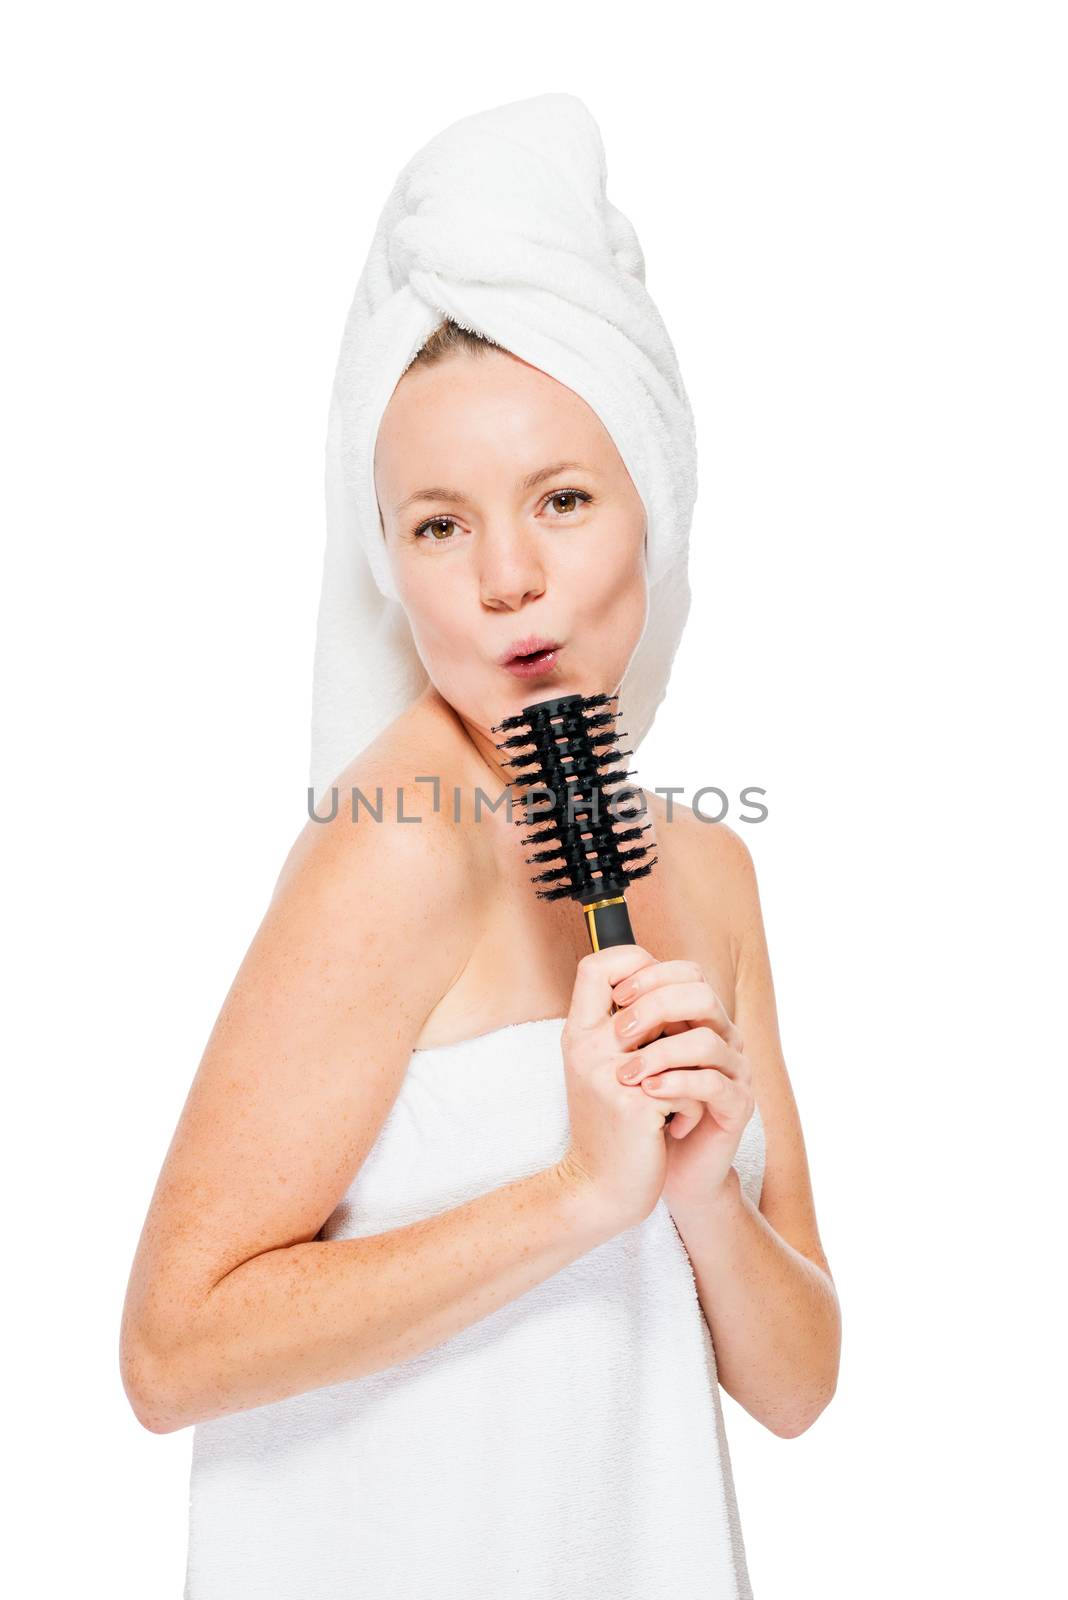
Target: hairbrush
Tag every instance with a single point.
(565, 753)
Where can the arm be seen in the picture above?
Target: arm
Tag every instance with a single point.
(324, 1312)
(762, 1277)
(232, 1300)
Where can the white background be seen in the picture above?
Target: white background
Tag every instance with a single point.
(853, 218)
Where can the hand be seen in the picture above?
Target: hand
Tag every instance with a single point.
(617, 1155)
(700, 1066)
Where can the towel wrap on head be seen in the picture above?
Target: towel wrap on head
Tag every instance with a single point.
(501, 223)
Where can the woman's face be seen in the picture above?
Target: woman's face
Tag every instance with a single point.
(483, 556)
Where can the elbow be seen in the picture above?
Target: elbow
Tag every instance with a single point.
(794, 1426)
(154, 1415)
(820, 1389)
(793, 1430)
(142, 1380)
(152, 1418)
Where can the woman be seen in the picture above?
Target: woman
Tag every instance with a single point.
(447, 1303)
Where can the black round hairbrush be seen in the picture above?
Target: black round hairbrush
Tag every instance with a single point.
(565, 753)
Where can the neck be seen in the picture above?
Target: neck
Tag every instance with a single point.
(492, 775)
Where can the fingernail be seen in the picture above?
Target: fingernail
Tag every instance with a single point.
(625, 992)
(629, 1027)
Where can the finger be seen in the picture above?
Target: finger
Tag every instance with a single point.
(692, 1001)
(680, 1122)
(656, 974)
(679, 1115)
(696, 1047)
(729, 1102)
(591, 999)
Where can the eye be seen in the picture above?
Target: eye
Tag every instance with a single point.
(433, 523)
(571, 494)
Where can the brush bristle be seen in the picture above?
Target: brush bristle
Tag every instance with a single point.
(569, 747)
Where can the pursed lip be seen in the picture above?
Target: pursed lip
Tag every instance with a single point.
(527, 647)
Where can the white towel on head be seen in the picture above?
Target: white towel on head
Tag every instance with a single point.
(502, 223)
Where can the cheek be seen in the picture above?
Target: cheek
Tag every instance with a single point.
(432, 611)
(632, 613)
(438, 618)
(616, 588)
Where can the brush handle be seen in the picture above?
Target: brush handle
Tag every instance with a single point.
(608, 923)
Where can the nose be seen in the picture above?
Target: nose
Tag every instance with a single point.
(511, 569)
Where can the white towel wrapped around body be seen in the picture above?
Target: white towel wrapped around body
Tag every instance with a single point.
(502, 223)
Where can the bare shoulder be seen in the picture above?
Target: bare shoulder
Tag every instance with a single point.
(713, 861)
(713, 842)
(382, 830)
(722, 865)
(384, 839)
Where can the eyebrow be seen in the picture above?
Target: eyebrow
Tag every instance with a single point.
(457, 497)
